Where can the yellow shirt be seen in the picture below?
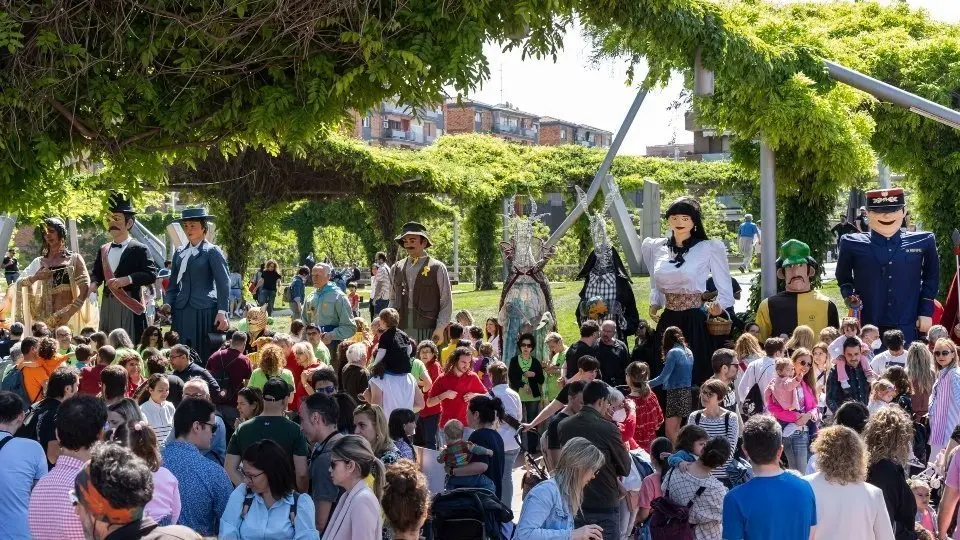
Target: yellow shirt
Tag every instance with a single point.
(446, 352)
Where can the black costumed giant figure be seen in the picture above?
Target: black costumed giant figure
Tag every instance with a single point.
(123, 266)
(526, 297)
(606, 292)
(679, 266)
(199, 286)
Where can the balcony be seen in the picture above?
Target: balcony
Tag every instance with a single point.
(529, 133)
(585, 143)
(390, 107)
(409, 135)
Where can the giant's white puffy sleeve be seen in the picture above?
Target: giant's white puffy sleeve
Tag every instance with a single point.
(720, 271)
(648, 252)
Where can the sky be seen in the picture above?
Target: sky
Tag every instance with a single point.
(575, 90)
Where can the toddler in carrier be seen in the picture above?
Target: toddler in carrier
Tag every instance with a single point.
(457, 453)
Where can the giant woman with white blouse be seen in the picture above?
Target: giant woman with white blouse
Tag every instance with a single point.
(679, 266)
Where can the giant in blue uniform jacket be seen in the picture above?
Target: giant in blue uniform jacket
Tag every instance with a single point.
(896, 278)
(199, 295)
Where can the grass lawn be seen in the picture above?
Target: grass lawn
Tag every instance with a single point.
(483, 304)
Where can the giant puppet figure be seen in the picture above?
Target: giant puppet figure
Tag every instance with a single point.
(54, 288)
(526, 294)
(679, 266)
(421, 290)
(606, 293)
(890, 276)
(781, 313)
(123, 266)
(199, 285)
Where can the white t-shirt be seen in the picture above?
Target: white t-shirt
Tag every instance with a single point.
(760, 372)
(886, 359)
(511, 406)
(160, 418)
(398, 391)
(852, 511)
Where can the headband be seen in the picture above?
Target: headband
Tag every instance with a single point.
(98, 506)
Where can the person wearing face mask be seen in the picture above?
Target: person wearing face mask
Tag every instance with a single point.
(602, 494)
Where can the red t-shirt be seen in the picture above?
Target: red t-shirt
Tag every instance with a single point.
(433, 369)
(456, 408)
(90, 380)
(132, 387)
(299, 391)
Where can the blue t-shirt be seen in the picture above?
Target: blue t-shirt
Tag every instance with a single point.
(781, 507)
(22, 463)
(748, 229)
(490, 440)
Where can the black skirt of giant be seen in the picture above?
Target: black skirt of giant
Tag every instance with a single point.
(693, 324)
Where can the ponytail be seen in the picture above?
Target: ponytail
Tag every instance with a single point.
(489, 409)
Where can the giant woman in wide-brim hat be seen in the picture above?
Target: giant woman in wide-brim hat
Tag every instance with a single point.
(53, 289)
(679, 266)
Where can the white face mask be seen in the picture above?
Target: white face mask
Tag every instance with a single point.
(620, 415)
(876, 344)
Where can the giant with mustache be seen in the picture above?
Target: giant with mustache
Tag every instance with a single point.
(890, 275)
(781, 313)
(123, 266)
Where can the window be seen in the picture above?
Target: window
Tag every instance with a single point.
(365, 121)
(476, 116)
(563, 134)
(396, 125)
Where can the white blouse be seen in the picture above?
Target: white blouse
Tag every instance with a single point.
(706, 258)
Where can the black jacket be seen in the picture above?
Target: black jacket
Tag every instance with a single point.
(613, 359)
(624, 293)
(136, 263)
(517, 380)
(901, 505)
(859, 387)
(603, 492)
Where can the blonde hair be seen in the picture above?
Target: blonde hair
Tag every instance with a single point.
(782, 365)
(356, 449)
(362, 328)
(920, 368)
(802, 338)
(746, 346)
(841, 455)
(553, 337)
(810, 378)
(381, 428)
(466, 315)
(880, 386)
(577, 457)
(828, 334)
(271, 360)
(888, 435)
(306, 350)
(949, 344)
(453, 430)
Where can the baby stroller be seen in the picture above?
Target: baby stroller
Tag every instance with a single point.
(535, 470)
(469, 514)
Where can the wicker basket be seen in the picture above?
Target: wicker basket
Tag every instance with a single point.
(719, 326)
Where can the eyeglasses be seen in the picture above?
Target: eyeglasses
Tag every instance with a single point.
(213, 426)
(333, 462)
(526, 345)
(804, 363)
(942, 353)
(324, 389)
(251, 477)
(194, 395)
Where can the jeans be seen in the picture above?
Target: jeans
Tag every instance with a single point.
(506, 489)
(472, 481)
(530, 441)
(795, 449)
(376, 306)
(296, 313)
(268, 298)
(11, 276)
(427, 430)
(608, 520)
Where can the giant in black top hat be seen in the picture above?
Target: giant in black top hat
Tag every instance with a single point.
(195, 214)
(121, 205)
(412, 227)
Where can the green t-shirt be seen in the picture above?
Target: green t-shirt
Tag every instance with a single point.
(258, 378)
(417, 369)
(276, 428)
(550, 386)
(322, 353)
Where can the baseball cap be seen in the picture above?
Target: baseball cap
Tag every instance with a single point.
(276, 389)
(16, 329)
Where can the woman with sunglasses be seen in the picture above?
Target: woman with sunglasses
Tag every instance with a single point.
(800, 424)
(357, 515)
(151, 337)
(944, 412)
(717, 421)
(266, 504)
(526, 377)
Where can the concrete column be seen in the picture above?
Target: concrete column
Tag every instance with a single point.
(72, 233)
(650, 216)
(456, 247)
(768, 218)
(8, 222)
(883, 175)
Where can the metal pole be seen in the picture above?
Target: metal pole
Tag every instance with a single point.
(601, 172)
(883, 175)
(74, 239)
(507, 207)
(456, 247)
(887, 92)
(768, 216)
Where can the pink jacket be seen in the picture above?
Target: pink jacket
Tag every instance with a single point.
(783, 415)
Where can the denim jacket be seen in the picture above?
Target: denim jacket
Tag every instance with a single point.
(545, 516)
(677, 370)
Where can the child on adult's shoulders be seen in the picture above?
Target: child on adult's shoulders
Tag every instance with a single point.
(850, 328)
(394, 348)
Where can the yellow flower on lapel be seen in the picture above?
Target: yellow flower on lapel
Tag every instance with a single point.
(426, 271)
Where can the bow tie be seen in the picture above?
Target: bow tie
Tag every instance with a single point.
(115, 245)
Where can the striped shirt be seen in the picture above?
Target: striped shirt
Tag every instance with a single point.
(726, 425)
(51, 514)
(160, 418)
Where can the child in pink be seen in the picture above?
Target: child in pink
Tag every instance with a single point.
(926, 515)
(783, 388)
(660, 450)
(849, 328)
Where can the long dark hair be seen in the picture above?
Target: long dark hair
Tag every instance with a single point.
(145, 336)
(57, 225)
(496, 324)
(672, 336)
(274, 461)
(399, 418)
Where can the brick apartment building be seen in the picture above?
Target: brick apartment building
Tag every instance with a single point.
(396, 125)
(510, 123)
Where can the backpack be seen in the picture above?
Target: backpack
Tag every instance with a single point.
(670, 520)
(13, 382)
(286, 294)
(28, 430)
(468, 514)
(248, 502)
(753, 403)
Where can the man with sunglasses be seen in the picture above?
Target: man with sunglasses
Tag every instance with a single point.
(204, 485)
(318, 416)
(725, 369)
